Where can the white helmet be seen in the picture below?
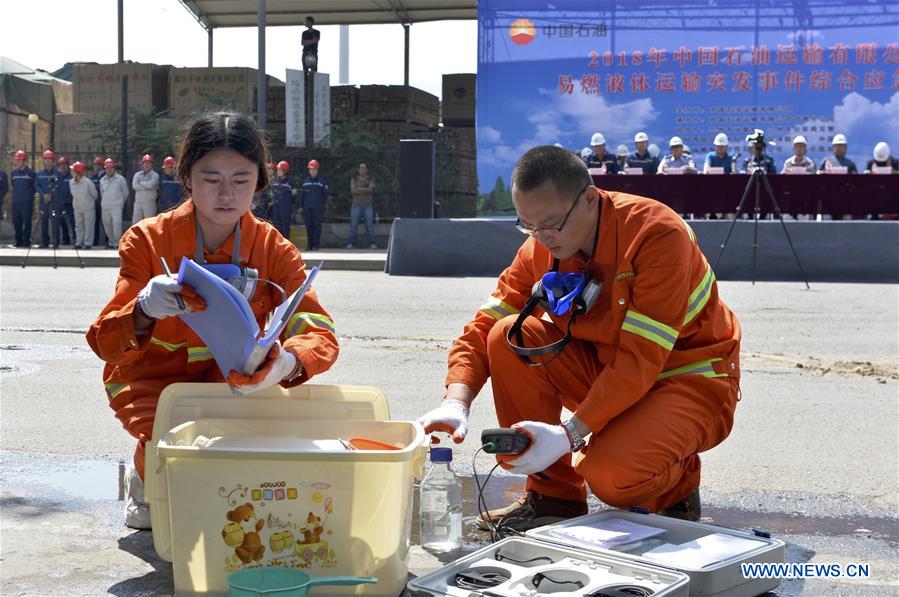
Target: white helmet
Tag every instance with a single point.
(687, 148)
(597, 139)
(839, 139)
(621, 151)
(653, 150)
(799, 139)
(881, 152)
(675, 141)
(721, 140)
(557, 144)
(586, 152)
(641, 136)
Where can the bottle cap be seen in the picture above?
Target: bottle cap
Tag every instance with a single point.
(441, 454)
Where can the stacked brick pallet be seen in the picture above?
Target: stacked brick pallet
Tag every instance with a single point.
(393, 113)
(457, 143)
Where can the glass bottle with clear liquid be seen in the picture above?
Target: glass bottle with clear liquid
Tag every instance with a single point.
(441, 504)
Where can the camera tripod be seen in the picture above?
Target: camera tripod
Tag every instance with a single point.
(757, 175)
(55, 232)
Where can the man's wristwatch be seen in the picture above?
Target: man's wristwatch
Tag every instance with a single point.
(295, 373)
(574, 436)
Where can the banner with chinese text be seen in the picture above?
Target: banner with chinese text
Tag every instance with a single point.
(559, 72)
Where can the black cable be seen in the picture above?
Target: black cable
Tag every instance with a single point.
(474, 580)
(623, 591)
(500, 556)
(482, 503)
(540, 577)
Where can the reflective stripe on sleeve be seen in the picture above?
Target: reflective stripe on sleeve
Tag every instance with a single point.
(166, 345)
(700, 295)
(703, 368)
(498, 309)
(646, 327)
(198, 353)
(113, 389)
(300, 322)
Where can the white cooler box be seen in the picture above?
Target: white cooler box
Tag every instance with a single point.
(523, 566)
(710, 555)
(236, 482)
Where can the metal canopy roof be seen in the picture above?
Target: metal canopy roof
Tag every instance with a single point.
(213, 14)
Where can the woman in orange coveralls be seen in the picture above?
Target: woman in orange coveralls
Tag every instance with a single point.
(145, 346)
(651, 372)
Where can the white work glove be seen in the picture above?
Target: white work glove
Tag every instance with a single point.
(159, 298)
(277, 365)
(450, 417)
(548, 444)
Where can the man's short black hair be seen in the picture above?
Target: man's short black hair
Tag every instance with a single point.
(309, 18)
(563, 168)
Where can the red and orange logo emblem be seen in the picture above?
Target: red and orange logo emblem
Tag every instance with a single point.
(522, 32)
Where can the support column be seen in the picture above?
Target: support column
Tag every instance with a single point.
(261, 82)
(209, 47)
(344, 71)
(406, 55)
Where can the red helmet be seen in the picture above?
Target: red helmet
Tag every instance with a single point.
(313, 164)
(147, 158)
(283, 165)
(78, 167)
(63, 160)
(98, 161)
(168, 162)
(49, 155)
(109, 163)
(21, 155)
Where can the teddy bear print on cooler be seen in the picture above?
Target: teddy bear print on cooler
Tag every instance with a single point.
(250, 547)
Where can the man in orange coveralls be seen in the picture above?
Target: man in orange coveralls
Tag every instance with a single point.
(651, 369)
(145, 346)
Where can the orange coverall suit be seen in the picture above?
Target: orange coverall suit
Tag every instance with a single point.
(652, 369)
(138, 368)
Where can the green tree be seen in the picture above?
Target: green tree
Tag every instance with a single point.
(498, 201)
(350, 145)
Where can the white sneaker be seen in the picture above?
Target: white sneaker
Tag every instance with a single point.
(350, 246)
(137, 511)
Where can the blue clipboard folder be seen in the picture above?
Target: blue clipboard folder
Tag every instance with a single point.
(228, 326)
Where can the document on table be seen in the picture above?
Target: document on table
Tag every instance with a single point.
(702, 552)
(607, 533)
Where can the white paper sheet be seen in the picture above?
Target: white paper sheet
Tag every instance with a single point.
(702, 552)
(607, 533)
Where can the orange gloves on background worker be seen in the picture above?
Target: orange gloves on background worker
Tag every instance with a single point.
(222, 162)
(609, 310)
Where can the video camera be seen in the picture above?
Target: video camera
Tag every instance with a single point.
(756, 139)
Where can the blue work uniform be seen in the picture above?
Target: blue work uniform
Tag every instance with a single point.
(22, 204)
(766, 163)
(64, 220)
(315, 194)
(4, 189)
(607, 160)
(645, 161)
(172, 191)
(282, 205)
(99, 233)
(832, 160)
(45, 184)
(716, 161)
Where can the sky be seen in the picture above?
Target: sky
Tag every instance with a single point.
(164, 32)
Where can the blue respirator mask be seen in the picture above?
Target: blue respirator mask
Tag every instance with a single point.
(245, 279)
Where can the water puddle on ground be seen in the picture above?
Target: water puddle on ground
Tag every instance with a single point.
(91, 480)
(47, 478)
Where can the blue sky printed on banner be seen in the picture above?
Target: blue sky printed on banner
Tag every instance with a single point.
(560, 71)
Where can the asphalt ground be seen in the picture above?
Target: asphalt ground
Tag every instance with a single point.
(812, 457)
